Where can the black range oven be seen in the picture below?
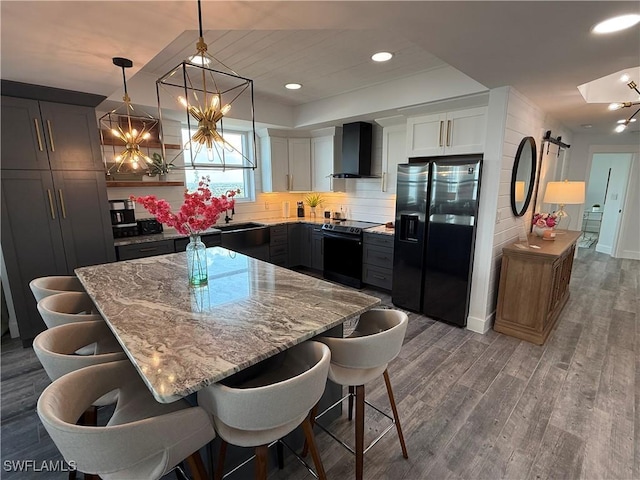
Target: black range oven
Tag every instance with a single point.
(343, 251)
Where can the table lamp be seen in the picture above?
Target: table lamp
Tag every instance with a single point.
(564, 193)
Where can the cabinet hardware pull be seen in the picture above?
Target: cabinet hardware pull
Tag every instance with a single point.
(288, 182)
(383, 185)
(380, 277)
(448, 133)
(440, 136)
(53, 213)
(35, 121)
(64, 210)
(148, 249)
(53, 147)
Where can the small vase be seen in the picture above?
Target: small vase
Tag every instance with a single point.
(196, 261)
(313, 212)
(539, 231)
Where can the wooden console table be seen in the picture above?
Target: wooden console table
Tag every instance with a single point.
(534, 286)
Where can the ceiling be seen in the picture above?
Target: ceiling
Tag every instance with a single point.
(543, 49)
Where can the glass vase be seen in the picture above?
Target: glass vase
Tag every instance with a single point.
(196, 261)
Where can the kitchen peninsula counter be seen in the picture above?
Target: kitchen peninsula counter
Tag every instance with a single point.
(182, 338)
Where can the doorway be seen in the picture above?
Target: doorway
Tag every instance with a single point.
(605, 196)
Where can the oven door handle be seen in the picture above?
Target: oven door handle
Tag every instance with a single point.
(347, 238)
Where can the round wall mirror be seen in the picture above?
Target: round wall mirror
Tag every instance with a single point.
(523, 176)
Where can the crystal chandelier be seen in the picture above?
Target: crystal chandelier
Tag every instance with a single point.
(121, 128)
(205, 89)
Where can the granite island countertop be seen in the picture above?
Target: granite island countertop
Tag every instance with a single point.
(182, 338)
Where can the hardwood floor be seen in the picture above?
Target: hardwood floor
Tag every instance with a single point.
(472, 406)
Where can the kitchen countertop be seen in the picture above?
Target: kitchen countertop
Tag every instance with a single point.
(183, 338)
(381, 230)
(172, 234)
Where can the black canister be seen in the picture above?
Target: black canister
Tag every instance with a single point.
(300, 209)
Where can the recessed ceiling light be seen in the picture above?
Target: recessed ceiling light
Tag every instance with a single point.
(382, 56)
(625, 78)
(586, 125)
(293, 86)
(199, 60)
(616, 24)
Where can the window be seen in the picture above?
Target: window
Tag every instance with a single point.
(221, 181)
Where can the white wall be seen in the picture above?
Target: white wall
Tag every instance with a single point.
(511, 117)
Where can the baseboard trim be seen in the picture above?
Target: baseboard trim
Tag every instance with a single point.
(603, 249)
(480, 325)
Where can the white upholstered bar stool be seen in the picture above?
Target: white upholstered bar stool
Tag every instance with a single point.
(143, 439)
(362, 357)
(67, 307)
(56, 347)
(45, 286)
(258, 411)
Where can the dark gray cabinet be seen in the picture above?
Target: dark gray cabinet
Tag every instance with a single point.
(377, 261)
(279, 245)
(317, 248)
(40, 135)
(52, 222)
(55, 213)
(146, 249)
(209, 239)
(295, 233)
(306, 247)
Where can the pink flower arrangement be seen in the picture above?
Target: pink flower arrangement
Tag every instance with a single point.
(199, 211)
(545, 220)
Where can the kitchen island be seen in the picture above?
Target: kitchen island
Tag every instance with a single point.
(182, 338)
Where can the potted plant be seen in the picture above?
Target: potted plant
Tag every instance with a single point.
(159, 167)
(313, 200)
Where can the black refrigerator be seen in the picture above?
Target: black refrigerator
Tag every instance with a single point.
(436, 213)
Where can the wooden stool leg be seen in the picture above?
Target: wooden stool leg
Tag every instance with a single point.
(198, 472)
(311, 442)
(261, 462)
(221, 454)
(395, 414)
(280, 454)
(312, 421)
(90, 417)
(351, 392)
(359, 432)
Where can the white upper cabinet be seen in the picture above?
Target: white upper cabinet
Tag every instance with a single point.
(299, 164)
(325, 152)
(322, 154)
(285, 164)
(393, 152)
(451, 133)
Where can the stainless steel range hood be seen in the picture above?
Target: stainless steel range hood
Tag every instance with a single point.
(356, 151)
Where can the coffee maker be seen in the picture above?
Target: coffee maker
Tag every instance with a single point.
(300, 209)
(123, 218)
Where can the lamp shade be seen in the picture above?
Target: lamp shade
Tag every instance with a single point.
(564, 193)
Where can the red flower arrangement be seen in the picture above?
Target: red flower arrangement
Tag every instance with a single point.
(545, 220)
(200, 210)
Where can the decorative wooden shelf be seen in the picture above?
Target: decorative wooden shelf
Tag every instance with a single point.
(133, 183)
